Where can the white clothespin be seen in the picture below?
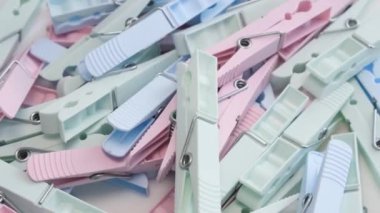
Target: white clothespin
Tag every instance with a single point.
(197, 162)
(325, 179)
(73, 113)
(125, 45)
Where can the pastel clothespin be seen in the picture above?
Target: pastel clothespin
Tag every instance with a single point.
(17, 79)
(215, 10)
(46, 50)
(28, 196)
(72, 15)
(115, 23)
(128, 43)
(263, 133)
(369, 78)
(197, 162)
(166, 204)
(137, 112)
(284, 156)
(73, 113)
(359, 112)
(352, 199)
(325, 179)
(6, 209)
(279, 29)
(15, 17)
(236, 97)
(294, 71)
(344, 60)
(206, 34)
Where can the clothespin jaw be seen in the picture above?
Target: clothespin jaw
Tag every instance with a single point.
(197, 148)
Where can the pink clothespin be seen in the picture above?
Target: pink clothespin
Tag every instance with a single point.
(166, 205)
(70, 38)
(6, 209)
(236, 106)
(168, 160)
(38, 95)
(16, 81)
(157, 134)
(253, 115)
(282, 27)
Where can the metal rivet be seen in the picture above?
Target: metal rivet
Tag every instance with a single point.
(351, 23)
(22, 155)
(35, 117)
(186, 160)
(245, 42)
(240, 84)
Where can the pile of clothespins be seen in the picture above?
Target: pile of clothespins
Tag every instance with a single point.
(240, 99)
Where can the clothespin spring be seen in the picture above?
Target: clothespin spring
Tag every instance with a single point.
(186, 157)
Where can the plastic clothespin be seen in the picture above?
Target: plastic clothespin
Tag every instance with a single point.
(166, 204)
(325, 179)
(135, 115)
(6, 209)
(197, 163)
(285, 155)
(294, 70)
(352, 199)
(17, 79)
(206, 34)
(272, 33)
(369, 78)
(15, 18)
(359, 113)
(97, 99)
(215, 10)
(123, 46)
(28, 196)
(115, 23)
(72, 15)
(263, 133)
(46, 50)
(236, 97)
(344, 60)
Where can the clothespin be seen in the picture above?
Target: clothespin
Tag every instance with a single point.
(294, 70)
(46, 50)
(344, 60)
(135, 115)
(289, 136)
(197, 162)
(15, 17)
(215, 10)
(115, 23)
(236, 97)
(272, 33)
(27, 196)
(123, 46)
(368, 79)
(359, 113)
(325, 179)
(6, 209)
(71, 15)
(166, 204)
(352, 199)
(71, 114)
(17, 79)
(38, 95)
